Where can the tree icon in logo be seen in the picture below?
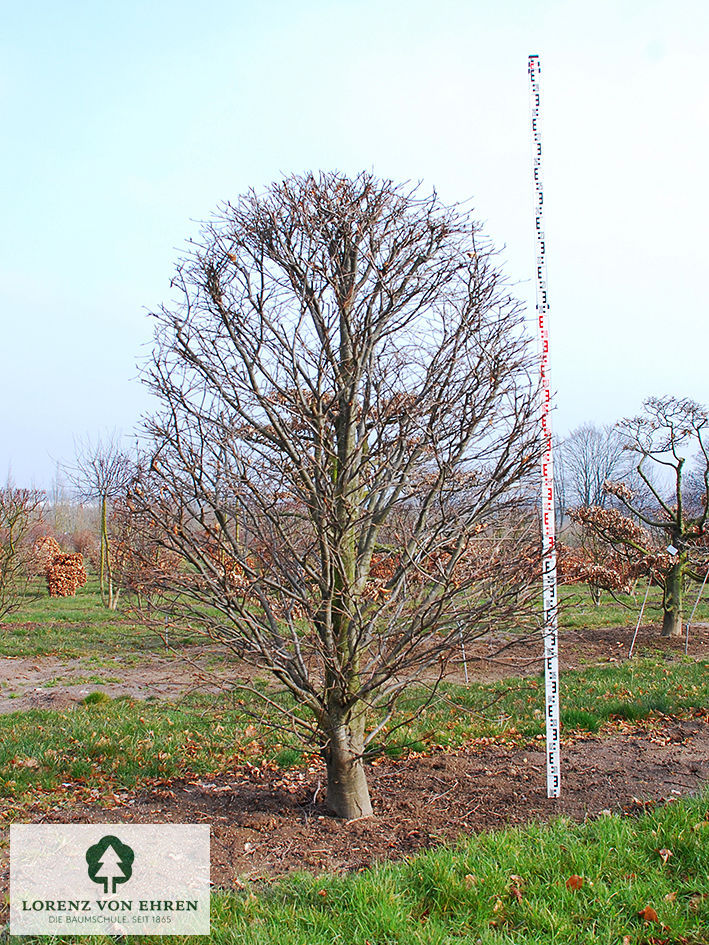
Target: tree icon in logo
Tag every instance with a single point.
(110, 862)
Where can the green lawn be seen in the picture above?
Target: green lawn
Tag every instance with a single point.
(112, 744)
(80, 626)
(578, 610)
(506, 888)
(501, 888)
(116, 744)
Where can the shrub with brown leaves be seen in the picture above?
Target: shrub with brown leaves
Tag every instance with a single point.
(44, 551)
(65, 574)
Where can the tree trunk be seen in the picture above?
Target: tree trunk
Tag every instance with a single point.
(102, 563)
(109, 591)
(672, 602)
(347, 790)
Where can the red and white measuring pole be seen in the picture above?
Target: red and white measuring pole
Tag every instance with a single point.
(549, 587)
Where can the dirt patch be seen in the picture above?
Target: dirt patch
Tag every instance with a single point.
(499, 656)
(265, 823)
(50, 683)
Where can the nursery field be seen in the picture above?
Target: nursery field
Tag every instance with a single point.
(100, 721)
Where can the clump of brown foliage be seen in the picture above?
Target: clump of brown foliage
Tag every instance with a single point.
(630, 551)
(44, 551)
(65, 574)
(600, 568)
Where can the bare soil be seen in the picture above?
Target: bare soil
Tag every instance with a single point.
(497, 656)
(266, 822)
(51, 683)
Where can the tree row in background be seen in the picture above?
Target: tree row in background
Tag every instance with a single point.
(625, 495)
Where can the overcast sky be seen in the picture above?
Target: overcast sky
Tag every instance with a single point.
(126, 123)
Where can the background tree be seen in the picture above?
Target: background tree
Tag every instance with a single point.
(341, 459)
(73, 523)
(665, 435)
(614, 553)
(591, 456)
(102, 473)
(20, 512)
(560, 484)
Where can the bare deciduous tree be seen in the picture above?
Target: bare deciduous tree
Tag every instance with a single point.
(590, 457)
(348, 424)
(102, 474)
(560, 486)
(659, 439)
(20, 510)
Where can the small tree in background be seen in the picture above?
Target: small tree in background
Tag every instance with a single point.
(44, 550)
(20, 511)
(672, 540)
(140, 561)
(65, 574)
(340, 463)
(591, 456)
(102, 474)
(599, 564)
(615, 552)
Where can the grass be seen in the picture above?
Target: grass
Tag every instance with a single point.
(80, 626)
(589, 698)
(577, 609)
(80, 681)
(96, 698)
(506, 887)
(107, 745)
(111, 744)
